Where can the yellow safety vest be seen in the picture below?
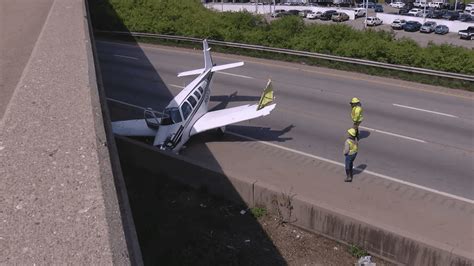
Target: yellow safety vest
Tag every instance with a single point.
(353, 146)
(356, 114)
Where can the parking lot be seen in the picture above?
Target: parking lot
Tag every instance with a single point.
(421, 38)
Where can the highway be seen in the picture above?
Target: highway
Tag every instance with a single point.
(419, 134)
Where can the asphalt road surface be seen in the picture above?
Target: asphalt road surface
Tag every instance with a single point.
(416, 133)
(20, 24)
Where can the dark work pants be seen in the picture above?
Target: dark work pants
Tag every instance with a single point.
(350, 161)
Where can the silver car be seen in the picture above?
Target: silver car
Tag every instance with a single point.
(428, 27)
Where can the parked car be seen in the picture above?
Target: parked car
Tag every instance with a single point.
(283, 14)
(373, 21)
(412, 26)
(436, 14)
(304, 13)
(398, 24)
(467, 34)
(451, 15)
(378, 8)
(327, 14)
(469, 7)
(465, 18)
(420, 3)
(339, 17)
(428, 27)
(369, 5)
(441, 29)
(359, 12)
(276, 12)
(314, 15)
(397, 4)
(403, 11)
(293, 12)
(415, 12)
(438, 4)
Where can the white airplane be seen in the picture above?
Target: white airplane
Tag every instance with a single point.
(187, 114)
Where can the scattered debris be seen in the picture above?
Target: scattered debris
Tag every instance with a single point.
(247, 241)
(243, 212)
(202, 205)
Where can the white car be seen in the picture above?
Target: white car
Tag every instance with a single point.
(437, 4)
(359, 12)
(398, 24)
(420, 3)
(313, 15)
(415, 12)
(373, 21)
(469, 7)
(397, 4)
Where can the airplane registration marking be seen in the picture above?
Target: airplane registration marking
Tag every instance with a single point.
(424, 110)
(393, 134)
(393, 179)
(124, 56)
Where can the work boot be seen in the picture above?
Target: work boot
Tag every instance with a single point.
(348, 176)
(351, 174)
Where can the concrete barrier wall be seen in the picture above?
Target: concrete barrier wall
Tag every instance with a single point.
(454, 26)
(268, 9)
(310, 215)
(58, 198)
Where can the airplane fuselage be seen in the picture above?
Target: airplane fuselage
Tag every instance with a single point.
(187, 107)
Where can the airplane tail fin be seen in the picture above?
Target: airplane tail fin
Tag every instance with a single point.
(207, 55)
(267, 97)
(208, 64)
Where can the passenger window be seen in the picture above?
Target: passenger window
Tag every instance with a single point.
(197, 94)
(192, 101)
(186, 110)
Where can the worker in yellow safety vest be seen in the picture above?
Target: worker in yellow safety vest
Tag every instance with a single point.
(351, 147)
(356, 114)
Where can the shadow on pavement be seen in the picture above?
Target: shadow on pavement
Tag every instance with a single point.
(359, 169)
(363, 134)
(175, 224)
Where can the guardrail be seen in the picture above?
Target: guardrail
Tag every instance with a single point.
(424, 71)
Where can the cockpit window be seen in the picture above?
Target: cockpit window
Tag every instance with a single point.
(192, 101)
(171, 116)
(186, 109)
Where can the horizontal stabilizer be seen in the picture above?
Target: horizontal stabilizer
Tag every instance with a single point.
(214, 69)
(226, 66)
(137, 127)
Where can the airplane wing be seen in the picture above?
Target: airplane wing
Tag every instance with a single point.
(229, 116)
(233, 115)
(137, 127)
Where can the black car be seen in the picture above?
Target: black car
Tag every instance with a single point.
(327, 14)
(293, 12)
(465, 18)
(378, 8)
(412, 26)
(451, 15)
(403, 11)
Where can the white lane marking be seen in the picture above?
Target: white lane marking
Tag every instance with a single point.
(124, 56)
(423, 110)
(235, 75)
(124, 103)
(176, 86)
(393, 134)
(363, 170)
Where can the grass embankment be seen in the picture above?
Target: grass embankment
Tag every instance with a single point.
(190, 18)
